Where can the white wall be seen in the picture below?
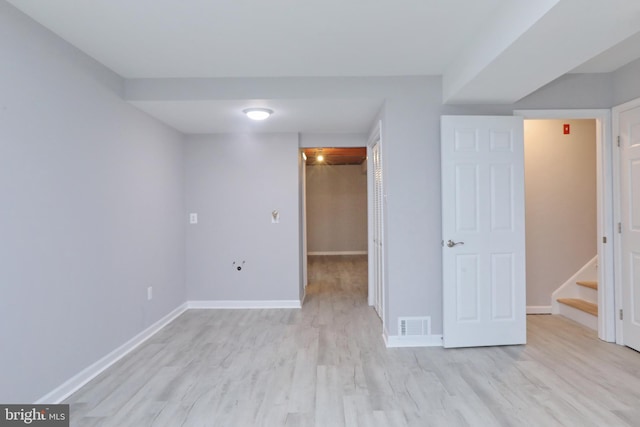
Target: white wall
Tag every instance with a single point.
(233, 183)
(90, 212)
(561, 206)
(336, 208)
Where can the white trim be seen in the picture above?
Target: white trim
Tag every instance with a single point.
(396, 341)
(338, 253)
(74, 383)
(242, 304)
(304, 249)
(617, 216)
(569, 289)
(538, 309)
(606, 190)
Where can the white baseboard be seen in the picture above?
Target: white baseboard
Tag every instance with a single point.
(338, 253)
(214, 304)
(394, 341)
(538, 309)
(74, 383)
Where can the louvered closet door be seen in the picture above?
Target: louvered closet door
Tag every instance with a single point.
(378, 230)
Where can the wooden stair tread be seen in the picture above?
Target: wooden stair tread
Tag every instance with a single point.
(588, 284)
(580, 304)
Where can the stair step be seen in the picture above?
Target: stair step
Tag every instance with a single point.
(580, 304)
(588, 284)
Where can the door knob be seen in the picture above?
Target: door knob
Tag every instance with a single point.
(451, 243)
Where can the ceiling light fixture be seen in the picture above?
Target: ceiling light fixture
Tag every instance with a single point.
(258, 113)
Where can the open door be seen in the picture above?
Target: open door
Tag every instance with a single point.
(378, 230)
(629, 125)
(483, 246)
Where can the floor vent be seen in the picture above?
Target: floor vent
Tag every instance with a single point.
(414, 326)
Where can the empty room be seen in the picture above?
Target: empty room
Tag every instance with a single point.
(171, 253)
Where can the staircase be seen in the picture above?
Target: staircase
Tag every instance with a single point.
(577, 299)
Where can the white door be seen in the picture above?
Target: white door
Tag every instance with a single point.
(630, 224)
(484, 293)
(378, 230)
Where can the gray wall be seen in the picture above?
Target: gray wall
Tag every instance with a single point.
(626, 83)
(90, 215)
(336, 208)
(561, 206)
(233, 183)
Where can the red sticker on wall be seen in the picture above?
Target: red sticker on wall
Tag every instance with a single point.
(567, 129)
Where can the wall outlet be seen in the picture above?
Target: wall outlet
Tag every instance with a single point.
(149, 293)
(193, 218)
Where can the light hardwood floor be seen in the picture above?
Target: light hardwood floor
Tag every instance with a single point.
(326, 365)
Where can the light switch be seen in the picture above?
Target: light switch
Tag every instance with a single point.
(193, 218)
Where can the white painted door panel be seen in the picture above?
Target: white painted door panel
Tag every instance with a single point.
(630, 218)
(484, 294)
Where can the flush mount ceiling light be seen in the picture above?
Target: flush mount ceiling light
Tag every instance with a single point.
(258, 113)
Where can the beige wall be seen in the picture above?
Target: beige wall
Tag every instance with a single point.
(336, 209)
(560, 185)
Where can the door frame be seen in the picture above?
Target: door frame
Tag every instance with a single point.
(374, 137)
(303, 222)
(615, 112)
(606, 185)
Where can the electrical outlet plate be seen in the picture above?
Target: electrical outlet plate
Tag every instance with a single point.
(193, 218)
(149, 293)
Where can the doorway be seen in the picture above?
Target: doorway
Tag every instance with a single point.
(335, 200)
(561, 216)
(604, 207)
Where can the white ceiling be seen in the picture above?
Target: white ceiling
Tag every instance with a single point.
(477, 46)
(258, 38)
(290, 115)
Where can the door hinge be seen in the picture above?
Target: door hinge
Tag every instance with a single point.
(621, 314)
(619, 228)
(604, 239)
(618, 140)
